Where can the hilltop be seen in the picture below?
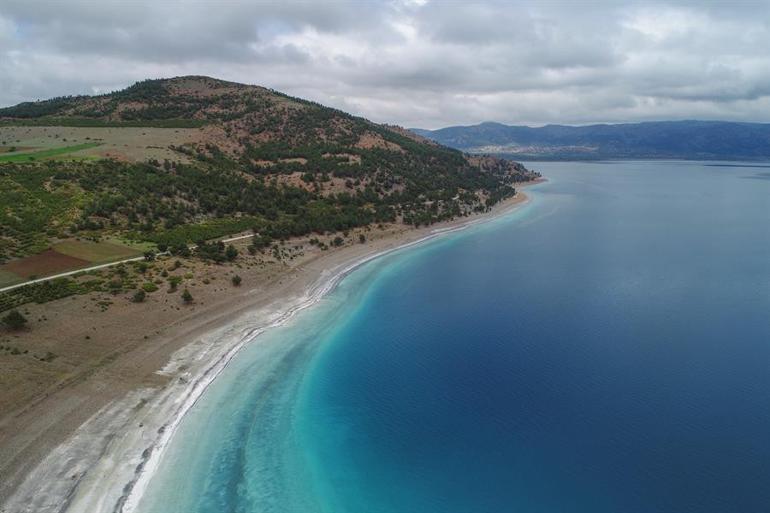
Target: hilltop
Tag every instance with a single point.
(701, 140)
(203, 199)
(169, 162)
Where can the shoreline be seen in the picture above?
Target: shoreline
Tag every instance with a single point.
(128, 455)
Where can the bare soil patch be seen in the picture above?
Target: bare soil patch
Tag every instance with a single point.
(42, 264)
(371, 140)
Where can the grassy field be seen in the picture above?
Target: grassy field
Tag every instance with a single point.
(96, 252)
(47, 153)
(122, 143)
(9, 278)
(68, 255)
(10, 149)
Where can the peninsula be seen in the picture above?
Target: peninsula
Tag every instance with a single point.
(136, 223)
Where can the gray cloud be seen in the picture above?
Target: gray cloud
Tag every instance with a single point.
(414, 62)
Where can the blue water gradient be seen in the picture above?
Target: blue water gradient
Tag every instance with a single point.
(605, 349)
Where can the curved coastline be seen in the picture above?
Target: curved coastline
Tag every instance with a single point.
(323, 286)
(121, 491)
(316, 293)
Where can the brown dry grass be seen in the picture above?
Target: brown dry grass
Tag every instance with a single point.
(120, 143)
(96, 252)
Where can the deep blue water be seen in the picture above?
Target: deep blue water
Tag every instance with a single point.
(605, 349)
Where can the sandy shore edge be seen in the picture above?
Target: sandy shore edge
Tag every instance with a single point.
(106, 464)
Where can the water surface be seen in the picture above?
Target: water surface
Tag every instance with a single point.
(606, 348)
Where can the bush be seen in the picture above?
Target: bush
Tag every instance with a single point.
(14, 320)
(180, 249)
(362, 238)
(149, 287)
(173, 282)
(115, 285)
(149, 255)
(187, 297)
(231, 253)
(139, 296)
(236, 280)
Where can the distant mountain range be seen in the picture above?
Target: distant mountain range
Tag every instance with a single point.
(706, 140)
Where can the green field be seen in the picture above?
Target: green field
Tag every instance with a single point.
(215, 228)
(46, 154)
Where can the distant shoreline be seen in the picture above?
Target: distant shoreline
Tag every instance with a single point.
(125, 433)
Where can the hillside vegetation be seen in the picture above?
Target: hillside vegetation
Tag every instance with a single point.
(704, 140)
(258, 160)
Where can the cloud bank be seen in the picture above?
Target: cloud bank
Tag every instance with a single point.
(412, 62)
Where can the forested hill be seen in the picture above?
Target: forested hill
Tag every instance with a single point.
(707, 140)
(221, 157)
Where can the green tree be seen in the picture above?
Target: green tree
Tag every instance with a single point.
(14, 320)
(139, 296)
(187, 297)
(231, 253)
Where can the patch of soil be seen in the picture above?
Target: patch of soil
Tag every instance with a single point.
(42, 264)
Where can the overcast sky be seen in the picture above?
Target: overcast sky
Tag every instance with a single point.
(415, 63)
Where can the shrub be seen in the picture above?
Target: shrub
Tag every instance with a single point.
(236, 280)
(180, 249)
(187, 297)
(139, 296)
(149, 287)
(14, 320)
(231, 253)
(173, 282)
(115, 285)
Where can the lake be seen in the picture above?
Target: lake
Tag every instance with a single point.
(603, 349)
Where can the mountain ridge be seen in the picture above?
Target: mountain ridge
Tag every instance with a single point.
(685, 139)
(233, 157)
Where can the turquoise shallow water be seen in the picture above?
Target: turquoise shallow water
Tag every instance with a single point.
(604, 349)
